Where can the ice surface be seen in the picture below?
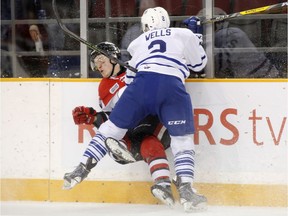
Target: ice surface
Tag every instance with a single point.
(98, 209)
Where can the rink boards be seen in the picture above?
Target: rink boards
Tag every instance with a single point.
(241, 143)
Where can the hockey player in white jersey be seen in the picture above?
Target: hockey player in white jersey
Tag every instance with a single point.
(163, 57)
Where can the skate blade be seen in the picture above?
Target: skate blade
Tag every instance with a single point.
(160, 195)
(114, 147)
(69, 185)
(189, 207)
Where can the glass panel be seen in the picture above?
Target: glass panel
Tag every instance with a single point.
(242, 45)
(248, 46)
(6, 62)
(49, 48)
(133, 31)
(5, 10)
(277, 38)
(97, 9)
(123, 8)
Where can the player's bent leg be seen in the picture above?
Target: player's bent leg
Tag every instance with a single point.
(183, 151)
(78, 175)
(114, 134)
(109, 129)
(154, 154)
(95, 151)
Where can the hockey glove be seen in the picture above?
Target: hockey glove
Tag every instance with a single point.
(194, 24)
(84, 115)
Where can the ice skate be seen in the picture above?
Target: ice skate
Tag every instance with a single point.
(78, 175)
(164, 194)
(118, 150)
(190, 200)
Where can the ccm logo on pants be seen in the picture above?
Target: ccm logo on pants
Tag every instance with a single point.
(178, 122)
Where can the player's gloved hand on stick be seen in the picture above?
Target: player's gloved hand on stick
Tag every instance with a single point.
(84, 115)
(194, 24)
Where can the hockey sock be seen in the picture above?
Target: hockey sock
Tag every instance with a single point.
(96, 149)
(154, 154)
(159, 169)
(184, 165)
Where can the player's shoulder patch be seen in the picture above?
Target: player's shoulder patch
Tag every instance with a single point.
(114, 88)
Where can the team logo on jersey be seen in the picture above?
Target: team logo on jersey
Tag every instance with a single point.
(114, 88)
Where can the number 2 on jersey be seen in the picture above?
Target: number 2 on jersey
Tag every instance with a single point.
(157, 46)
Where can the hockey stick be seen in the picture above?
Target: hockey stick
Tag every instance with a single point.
(276, 8)
(91, 46)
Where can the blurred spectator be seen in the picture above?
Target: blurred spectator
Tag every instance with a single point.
(37, 38)
(35, 65)
(135, 30)
(230, 62)
(32, 39)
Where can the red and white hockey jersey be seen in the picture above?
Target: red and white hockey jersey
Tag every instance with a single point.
(110, 90)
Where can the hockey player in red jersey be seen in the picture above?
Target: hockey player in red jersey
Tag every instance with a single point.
(147, 141)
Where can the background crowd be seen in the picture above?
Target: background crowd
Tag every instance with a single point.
(33, 45)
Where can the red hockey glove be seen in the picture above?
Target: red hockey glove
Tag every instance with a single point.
(84, 115)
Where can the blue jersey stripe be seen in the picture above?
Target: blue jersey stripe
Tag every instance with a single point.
(197, 65)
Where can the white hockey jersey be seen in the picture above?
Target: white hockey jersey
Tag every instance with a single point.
(171, 51)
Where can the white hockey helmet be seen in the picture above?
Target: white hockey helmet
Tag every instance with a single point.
(155, 18)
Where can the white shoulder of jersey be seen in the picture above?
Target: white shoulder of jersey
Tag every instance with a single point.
(111, 104)
(184, 32)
